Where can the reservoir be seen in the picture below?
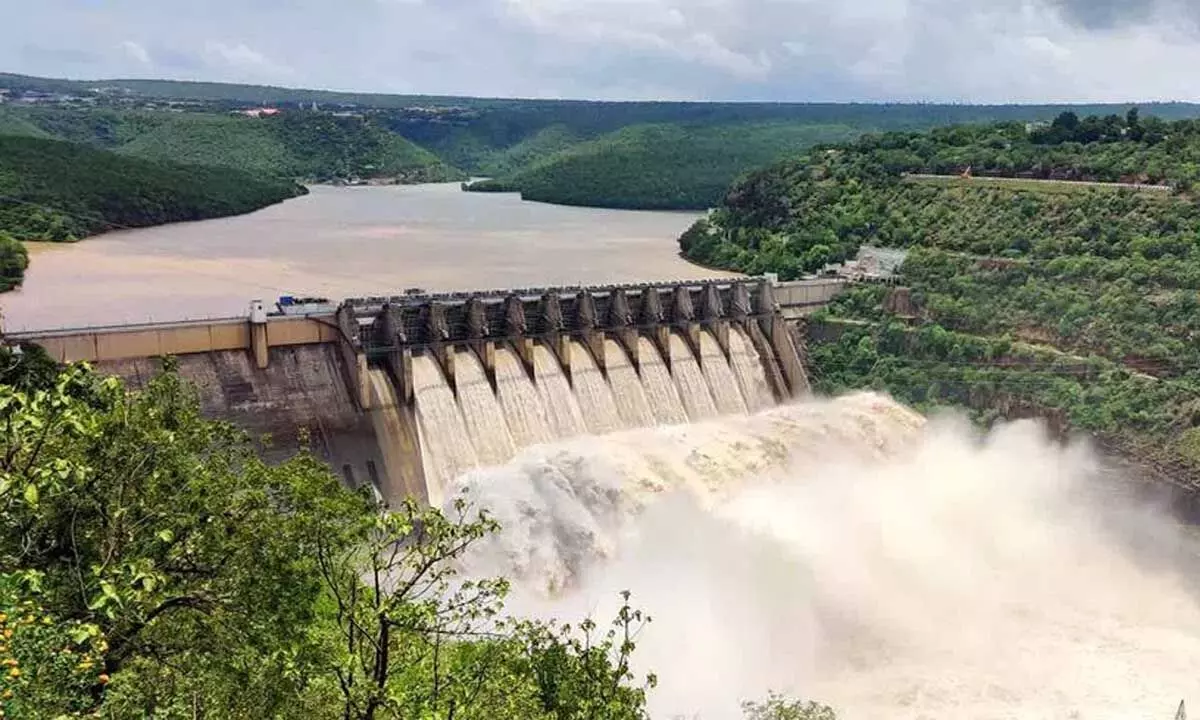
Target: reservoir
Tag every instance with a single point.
(342, 242)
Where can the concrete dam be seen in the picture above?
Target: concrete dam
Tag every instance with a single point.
(405, 393)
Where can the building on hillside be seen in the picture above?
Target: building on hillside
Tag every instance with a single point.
(258, 112)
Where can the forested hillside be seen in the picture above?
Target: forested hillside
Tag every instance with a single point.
(1029, 297)
(294, 144)
(660, 166)
(54, 190)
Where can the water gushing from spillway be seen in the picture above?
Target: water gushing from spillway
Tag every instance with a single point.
(524, 411)
(693, 387)
(566, 417)
(719, 376)
(486, 423)
(593, 392)
(748, 369)
(446, 447)
(627, 390)
(661, 391)
(850, 552)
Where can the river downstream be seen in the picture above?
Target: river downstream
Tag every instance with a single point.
(342, 242)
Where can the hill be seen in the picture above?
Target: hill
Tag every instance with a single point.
(1074, 302)
(660, 166)
(294, 143)
(53, 190)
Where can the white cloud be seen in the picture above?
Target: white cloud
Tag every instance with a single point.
(981, 50)
(136, 51)
(243, 58)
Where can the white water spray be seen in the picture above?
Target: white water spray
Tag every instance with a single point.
(847, 552)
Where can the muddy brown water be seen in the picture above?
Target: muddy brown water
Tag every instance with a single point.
(342, 242)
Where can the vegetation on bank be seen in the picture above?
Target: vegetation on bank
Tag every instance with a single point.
(298, 144)
(1098, 276)
(660, 166)
(60, 191)
(152, 565)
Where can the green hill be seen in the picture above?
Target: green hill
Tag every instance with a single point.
(661, 166)
(53, 190)
(297, 144)
(1075, 302)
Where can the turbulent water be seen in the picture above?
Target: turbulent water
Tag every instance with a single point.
(446, 449)
(524, 411)
(627, 389)
(849, 552)
(661, 391)
(721, 381)
(748, 370)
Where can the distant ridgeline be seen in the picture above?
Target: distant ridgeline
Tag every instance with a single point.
(1025, 295)
(615, 154)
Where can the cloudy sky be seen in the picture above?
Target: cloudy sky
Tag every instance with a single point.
(943, 50)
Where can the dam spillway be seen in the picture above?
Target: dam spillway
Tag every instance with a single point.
(476, 377)
(395, 391)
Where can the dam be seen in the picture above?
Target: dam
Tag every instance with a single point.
(405, 393)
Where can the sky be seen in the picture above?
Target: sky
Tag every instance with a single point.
(784, 50)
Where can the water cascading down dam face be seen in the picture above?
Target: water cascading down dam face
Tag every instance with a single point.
(477, 377)
(846, 551)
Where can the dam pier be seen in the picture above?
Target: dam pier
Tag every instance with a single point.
(406, 392)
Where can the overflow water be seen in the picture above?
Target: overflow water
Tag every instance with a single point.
(593, 393)
(627, 390)
(446, 449)
(523, 408)
(747, 367)
(661, 391)
(849, 552)
(724, 386)
(566, 417)
(484, 419)
(693, 388)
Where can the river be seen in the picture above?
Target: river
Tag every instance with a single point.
(342, 242)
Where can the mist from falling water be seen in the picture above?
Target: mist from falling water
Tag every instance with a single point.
(627, 390)
(693, 388)
(563, 411)
(748, 369)
(719, 376)
(446, 449)
(593, 393)
(661, 391)
(524, 412)
(848, 552)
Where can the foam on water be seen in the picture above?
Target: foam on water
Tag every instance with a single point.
(848, 552)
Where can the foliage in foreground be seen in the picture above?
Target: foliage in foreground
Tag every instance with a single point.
(154, 567)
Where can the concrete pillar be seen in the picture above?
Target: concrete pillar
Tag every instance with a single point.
(774, 329)
(651, 318)
(477, 333)
(552, 327)
(259, 344)
(713, 314)
(400, 362)
(515, 330)
(620, 322)
(593, 339)
(683, 318)
(437, 330)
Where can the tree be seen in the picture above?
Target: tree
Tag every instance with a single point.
(167, 533)
(777, 707)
